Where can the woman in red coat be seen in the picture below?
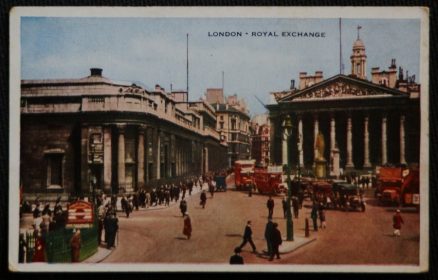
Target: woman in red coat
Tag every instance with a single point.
(187, 230)
(397, 222)
(40, 249)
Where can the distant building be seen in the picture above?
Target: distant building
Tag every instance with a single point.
(234, 127)
(260, 139)
(215, 95)
(92, 133)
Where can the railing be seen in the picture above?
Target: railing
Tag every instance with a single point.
(57, 244)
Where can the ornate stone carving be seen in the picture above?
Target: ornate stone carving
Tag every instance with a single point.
(338, 89)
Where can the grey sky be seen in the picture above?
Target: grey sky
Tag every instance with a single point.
(153, 51)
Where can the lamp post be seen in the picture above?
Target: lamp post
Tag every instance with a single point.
(93, 186)
(287, 130)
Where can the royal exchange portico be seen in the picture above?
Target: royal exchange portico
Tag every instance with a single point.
(370, 124)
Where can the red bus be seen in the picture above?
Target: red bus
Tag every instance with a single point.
(243, 173)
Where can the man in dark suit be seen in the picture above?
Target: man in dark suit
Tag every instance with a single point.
(236, 258)
(247, 237)
(270, 204)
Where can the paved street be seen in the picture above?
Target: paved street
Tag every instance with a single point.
(155, 236)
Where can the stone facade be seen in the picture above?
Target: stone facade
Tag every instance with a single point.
(234, 127)
(116, 136)
(260, 139)
(364, 123)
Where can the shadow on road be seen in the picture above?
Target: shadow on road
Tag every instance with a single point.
(181, 238)
(233, 235)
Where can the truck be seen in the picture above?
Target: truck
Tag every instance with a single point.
(269, 179)
(399, 186)
(243, 174)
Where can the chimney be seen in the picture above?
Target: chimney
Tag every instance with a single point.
(96, 72)
(292, 84)
(392, 63)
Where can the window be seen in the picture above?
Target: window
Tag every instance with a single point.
(233, 124)
(54, 170)
(221, 124)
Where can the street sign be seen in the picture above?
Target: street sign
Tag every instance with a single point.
(275, 169)
(80, 214)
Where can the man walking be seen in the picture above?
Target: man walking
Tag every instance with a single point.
(269, 229)
(276, 242)
(203, 199)
(284, 203)
(314, 216)
(270, 204)
(397, 222)
(247, 237)
(183, 207)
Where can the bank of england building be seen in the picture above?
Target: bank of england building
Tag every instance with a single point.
(96, 134)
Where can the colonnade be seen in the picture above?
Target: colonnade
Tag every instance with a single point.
(349, 163)
(158, 154)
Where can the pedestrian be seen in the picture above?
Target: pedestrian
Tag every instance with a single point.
(268, 235)
(22, 249)
(101, 212)
(75, 245)
(111, 228)
(247, 237)
(211, 187)
(236, 258)
(187, 230)
(284, 203)
(295, 206)
(314, 216)
(40, 248)
(125, 206)
(203, 199)
(183, 207)
(270, 205)
(276, 242)
(397, 221)
(322, 221)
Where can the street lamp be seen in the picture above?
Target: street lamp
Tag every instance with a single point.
(287, 130)
(93, 185)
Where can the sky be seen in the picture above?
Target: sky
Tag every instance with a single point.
(153, 51)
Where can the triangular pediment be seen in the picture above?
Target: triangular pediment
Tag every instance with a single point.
(341, 87)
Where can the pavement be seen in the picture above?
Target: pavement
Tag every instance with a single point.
(290, 246)
(101, 254)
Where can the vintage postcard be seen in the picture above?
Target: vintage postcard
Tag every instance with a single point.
(274, 139)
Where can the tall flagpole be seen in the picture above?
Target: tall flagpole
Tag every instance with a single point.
(340, 46)
(187, 67)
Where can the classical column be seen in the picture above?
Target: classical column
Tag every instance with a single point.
(271, 139)
(107, 159)
(315, 135)
(85, 183)
(402, 140)
(349, 144)
(140, 157)
(300, 140)
(206, 159)
(384, 150)
(366, 141)
(121, 156)
(158, 152)
(332, 132)
(284, 147)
